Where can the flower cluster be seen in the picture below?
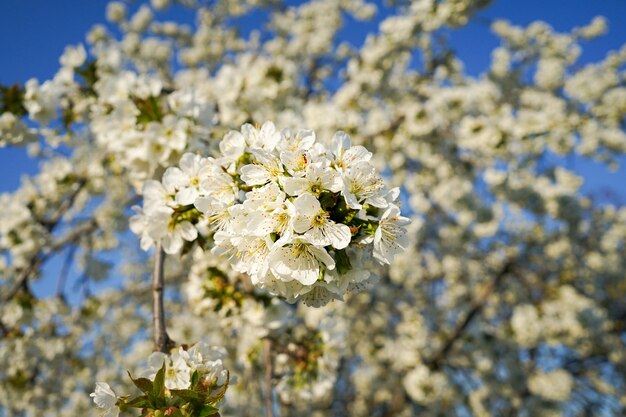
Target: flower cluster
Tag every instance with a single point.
(185, 383)
(301, 218)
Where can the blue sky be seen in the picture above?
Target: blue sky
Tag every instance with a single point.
(33, 34)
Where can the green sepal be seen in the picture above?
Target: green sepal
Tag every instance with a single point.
(371, 210)
(144, 384)
(342, 262)
(88, 73)
(328, 200)
(195, 376)
(207, 410)
(244, 159)
(159, 382)
(186, 394)
(219, 395)
(138, 402)
(369, 228)
(149, 110)
(12, 100)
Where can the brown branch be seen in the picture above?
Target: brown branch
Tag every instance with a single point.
(162, 340)
(67, 204)
(392, 128)
(267, 359)
(476, 308)
(49, 224)
(44, 254)
(67, 264)
(41, 257)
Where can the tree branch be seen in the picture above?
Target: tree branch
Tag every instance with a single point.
(45, 253)
(41, 257)
(392, 128)
(162, 340)
(267, 359)
(67, 264)
(476, 308)
(67, 204)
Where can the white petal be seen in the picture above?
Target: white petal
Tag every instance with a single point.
(377, 201)
(186, 196)
(319, 296)
(287, 266)
(281, 263)
(301, 224)
(112, 412)
(339, 235)
(103, 397)
(254, 174)
(175, 178)
(189, 163)
(233, 145)
(156, 360)
(351, 200)
(341, 140)
(260, 223)
(153, 190)
(331, 180)
(307, 205)
(188, 231)
(355, 155)
(294, 186)
(172, 243)
(203, 204)
(270, 137)
(323, 256)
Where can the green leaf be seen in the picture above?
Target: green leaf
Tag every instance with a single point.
(12, 100)
(207, 410)
(219, 395)
(328, 200)
(195, 378)
(139, 402)
(371, 210)
(89, 75)
(186, 394)
(159, 382)
(144, 384)
(342, 261)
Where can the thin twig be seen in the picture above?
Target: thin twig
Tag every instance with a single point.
(267, 359)
(162, 340)
(392, 128)
(65, 272)
(41, 257)
(476, 308)
(88, 226)
(65, 206)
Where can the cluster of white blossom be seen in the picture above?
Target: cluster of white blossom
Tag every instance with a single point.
(308, 357)
(171, 381)
(304, 220)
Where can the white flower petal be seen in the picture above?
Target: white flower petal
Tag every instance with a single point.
(255, 174)
(174, 178)
(233, 145)
(104, 397)
(189, 163)
(186, 196)
(307, 205)
(172, 243)
(187, 231)
(294, 186)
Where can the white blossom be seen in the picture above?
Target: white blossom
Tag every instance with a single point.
(105, 398)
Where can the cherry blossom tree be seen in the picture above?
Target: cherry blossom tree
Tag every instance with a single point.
(276, 221)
